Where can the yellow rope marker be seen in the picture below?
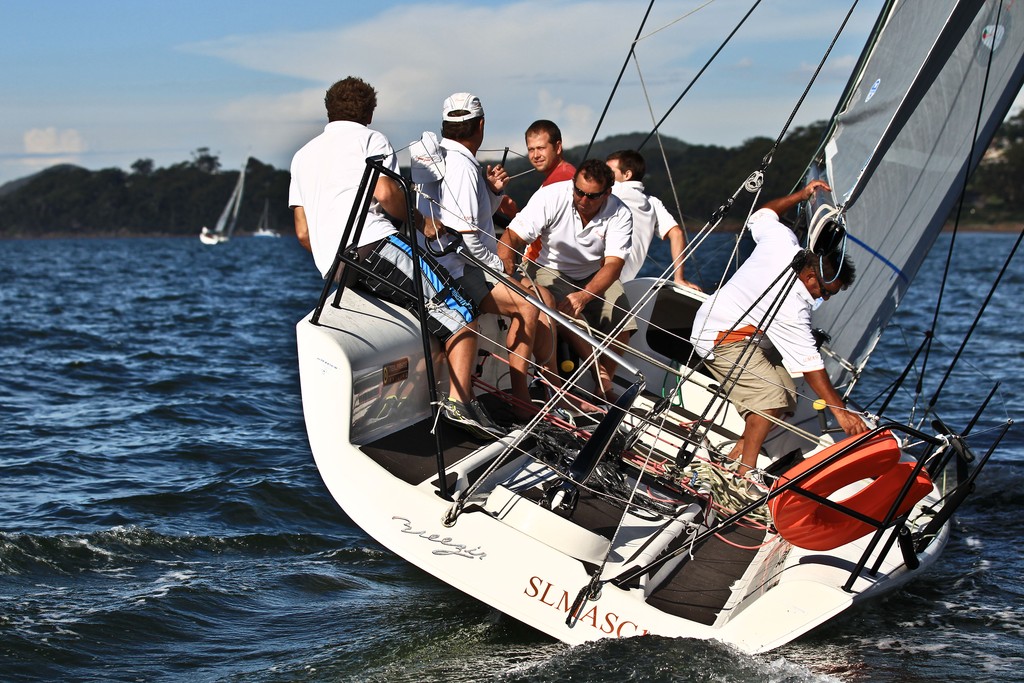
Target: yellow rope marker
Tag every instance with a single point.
(820, 404)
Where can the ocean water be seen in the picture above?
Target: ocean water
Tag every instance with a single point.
(161, 517)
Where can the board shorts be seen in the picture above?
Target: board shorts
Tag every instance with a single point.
(448, 308)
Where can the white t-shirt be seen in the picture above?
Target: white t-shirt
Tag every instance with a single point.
(790, 331)
(467, 205)
(650, 217)
(326, 174)
(566, 244)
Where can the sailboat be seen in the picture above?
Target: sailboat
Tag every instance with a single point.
(225, 225)
(263, 227)
(627, 523)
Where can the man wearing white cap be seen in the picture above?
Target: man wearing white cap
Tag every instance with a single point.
(464, 195)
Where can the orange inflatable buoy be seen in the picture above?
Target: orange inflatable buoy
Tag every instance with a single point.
(806, 523)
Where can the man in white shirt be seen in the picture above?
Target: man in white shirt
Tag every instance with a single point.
(650, 217)
(326, 174)
(464, 196)
(586, 235)
(751, 355)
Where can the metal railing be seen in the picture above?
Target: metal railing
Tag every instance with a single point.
(346, 256)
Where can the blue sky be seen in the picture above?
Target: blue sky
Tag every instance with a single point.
(103, 83)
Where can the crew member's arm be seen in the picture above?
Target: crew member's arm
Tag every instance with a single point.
(301, 227)
(611, 268)
(850, 421)
(509, 246)
(677, 245)
(392, 200)
(783, 204)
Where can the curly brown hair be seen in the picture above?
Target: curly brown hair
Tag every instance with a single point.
(351, 99)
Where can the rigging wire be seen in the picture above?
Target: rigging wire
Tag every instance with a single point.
(625, 63)
(674, 21)
(974, 325)
(952, 241)
(699, 73)
(810, 83)
(671, 270)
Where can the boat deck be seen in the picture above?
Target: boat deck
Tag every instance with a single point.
(697, 590)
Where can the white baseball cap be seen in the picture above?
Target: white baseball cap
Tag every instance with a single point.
(461, 102)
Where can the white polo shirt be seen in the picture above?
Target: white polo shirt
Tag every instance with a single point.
(650, 217)
(566, 244)
(326, 173)
(463, 202)
(790, 331)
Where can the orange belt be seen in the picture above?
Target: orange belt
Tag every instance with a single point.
(739, 334)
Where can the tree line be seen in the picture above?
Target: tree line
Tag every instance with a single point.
(68, 200)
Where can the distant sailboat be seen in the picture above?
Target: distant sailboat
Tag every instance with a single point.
(229, 216)
(263, 227)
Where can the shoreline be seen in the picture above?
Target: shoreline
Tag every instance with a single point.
(57, 235)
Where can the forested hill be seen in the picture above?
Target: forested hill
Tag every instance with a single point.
(178, 200)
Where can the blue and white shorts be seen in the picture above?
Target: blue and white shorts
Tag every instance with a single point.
(448, 308)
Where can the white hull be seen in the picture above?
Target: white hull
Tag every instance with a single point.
(212, 238)
(629, 508)
(363, 383)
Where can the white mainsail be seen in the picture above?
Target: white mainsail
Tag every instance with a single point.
(901, 145)
(225, 226)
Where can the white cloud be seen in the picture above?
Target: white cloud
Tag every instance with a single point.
(50, 141)
(44, 147)
(527, 60)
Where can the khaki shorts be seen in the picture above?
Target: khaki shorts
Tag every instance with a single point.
(762, 384)
(603, 313)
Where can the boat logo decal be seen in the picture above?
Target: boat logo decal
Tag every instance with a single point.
(329, 364)
(992, 36)
(874, 89)
(449, 547)
(608, 623)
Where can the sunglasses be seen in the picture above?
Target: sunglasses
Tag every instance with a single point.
(588, 195)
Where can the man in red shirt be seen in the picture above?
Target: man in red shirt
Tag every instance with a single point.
(544, 149)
